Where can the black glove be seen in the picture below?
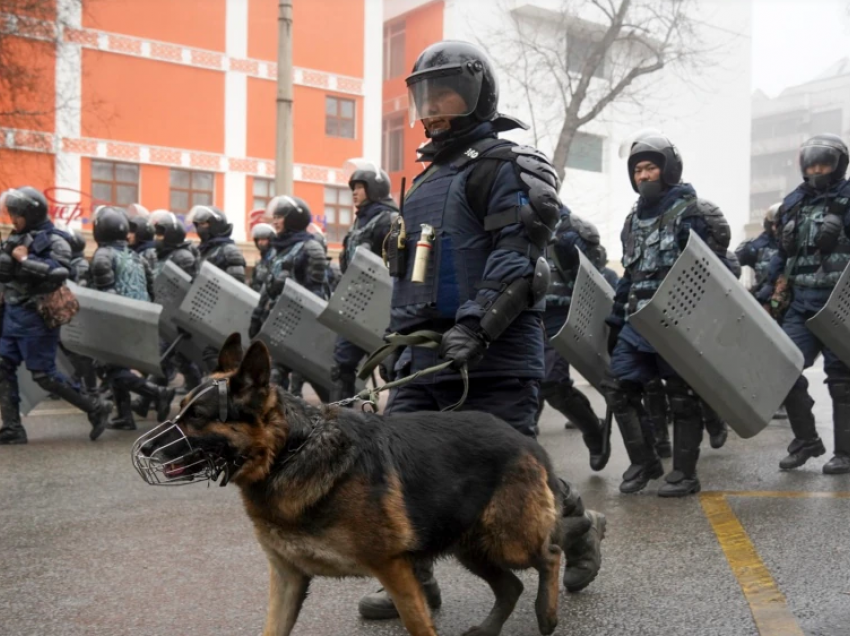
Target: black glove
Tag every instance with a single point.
(613, 335)
(254, 329)
(463, 345)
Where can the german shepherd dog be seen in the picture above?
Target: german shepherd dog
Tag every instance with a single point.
(337, 492)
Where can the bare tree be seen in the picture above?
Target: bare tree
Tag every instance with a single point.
(571, 63)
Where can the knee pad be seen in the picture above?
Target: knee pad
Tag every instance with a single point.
(684, 402)
(623, 394)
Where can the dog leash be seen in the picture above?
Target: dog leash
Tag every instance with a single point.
(425, 339)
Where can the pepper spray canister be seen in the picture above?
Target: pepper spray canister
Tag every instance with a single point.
(423, 254)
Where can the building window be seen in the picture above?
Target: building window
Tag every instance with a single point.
(579, 48)
(115, 183)
(338, 206)
(393, 143)
(393, 50)
(190, 188)
(586, 152)
(263, 193)
(339, 117)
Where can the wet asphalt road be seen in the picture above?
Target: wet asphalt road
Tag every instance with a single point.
(88, 549)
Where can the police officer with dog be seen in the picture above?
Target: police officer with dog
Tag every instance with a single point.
(375, 208)
(34, 265)
(654, 235)
(483, 213)
(814, 250)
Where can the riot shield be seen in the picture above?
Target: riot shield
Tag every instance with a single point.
(720, 340)
(583, 340)
(359, 308)
(170, 288)
(216, 306)
(115, 330)
(32, 394)
(832, 323)
(295, 337)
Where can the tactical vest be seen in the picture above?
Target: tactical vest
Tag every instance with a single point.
(763, 258)
(261, 272)
(650, 251)
(130, 279)
(357, 236)
(808, 267)
(460, 249)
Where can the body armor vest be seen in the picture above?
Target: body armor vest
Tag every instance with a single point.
(808, 267)
(261, 271)
(650, 251)
(359, 235)
(763, 258)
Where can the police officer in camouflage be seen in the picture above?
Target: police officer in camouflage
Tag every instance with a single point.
(492, 206)
(262, 235)
(759, 252)
(34, 261)
(117, 269)
(370, 192)
(654, 235)
(571, 234)
(814, 250)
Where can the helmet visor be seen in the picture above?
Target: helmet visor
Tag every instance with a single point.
(14, 202)
(450, 91)
(819, 156)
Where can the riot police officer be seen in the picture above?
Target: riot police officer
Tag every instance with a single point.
(262, 234)
(34, 262)
(488, 208)
(571, 234)
(814, 250)
(609, 274)
(758, 252)
(370, 192)
(117, 269)
(141, 238)
(299, 255)
(654, 235)
(79, 264)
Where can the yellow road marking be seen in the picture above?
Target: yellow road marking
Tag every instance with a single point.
(789, 494)
(39, 413)
(767, 603)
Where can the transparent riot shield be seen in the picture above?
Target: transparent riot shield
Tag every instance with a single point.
(717, 337)
(359, 309)
(832, 323)
(115, 330)
(295, 337)
(216, 306)
(583, 340)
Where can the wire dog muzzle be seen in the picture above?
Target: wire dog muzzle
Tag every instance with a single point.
(164, 456)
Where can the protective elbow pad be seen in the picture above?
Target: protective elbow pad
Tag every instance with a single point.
(506, 307)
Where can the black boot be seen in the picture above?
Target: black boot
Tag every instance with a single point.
(840, 462)
(687, 437)
(806, 443)
(124, 420)
(344, 384)
(574, 405)
(645, 465)
(97, 408)
(655, 403)
(378, 605)
(714, 426)
(12, 431)
(160, 396)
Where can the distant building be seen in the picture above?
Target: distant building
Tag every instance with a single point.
(782, 124)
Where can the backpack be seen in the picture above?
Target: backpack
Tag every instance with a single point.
(130, 278)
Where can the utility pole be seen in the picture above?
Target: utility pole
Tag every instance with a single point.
(284, 154)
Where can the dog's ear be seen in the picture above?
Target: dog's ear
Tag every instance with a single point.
(256, 367)
(230, 355)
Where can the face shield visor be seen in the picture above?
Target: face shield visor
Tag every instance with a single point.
(14, 203)
(450, 91)
(826, 156)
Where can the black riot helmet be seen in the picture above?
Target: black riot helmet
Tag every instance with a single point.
(293, 209)
(168, 228)
(771, 217)
(461, 67)
(110, 224)
(77, 242)
(262, 231)
(827, 150)
(26, 202)
(655, 147)
(374, 180)
(212, 215)
(141, 226)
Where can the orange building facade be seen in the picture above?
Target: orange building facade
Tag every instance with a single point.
(173, 104)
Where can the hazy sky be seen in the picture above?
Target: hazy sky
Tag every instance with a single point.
(795, 40)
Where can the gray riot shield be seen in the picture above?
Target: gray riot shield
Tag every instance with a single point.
(716, 336)
(296, 338)
(31, 394)
(583, 340)
(170, 288)
(216, 306)
(359, 308)
(832, 323)
(115, 330)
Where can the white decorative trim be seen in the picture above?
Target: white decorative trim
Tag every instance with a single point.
(373, 40)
